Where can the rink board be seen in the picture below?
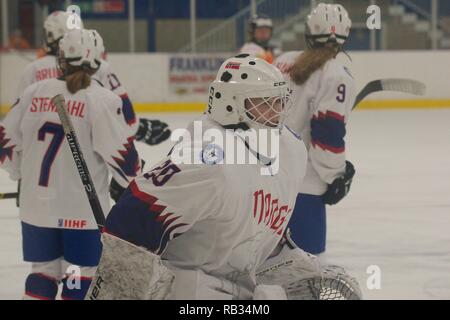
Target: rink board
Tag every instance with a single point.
(364, 105)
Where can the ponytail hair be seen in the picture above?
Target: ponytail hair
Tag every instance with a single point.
(311, 60)
(78, 78)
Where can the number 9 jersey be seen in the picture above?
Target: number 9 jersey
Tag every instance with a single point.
(33, 148)
(321, 107)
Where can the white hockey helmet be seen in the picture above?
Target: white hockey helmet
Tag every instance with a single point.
(77, 48)
(55, 26)
(327, 23)
(100, 47)
(259, 21)
(248, 92)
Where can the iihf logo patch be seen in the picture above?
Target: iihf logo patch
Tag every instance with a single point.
(60, 223)
(212, 154)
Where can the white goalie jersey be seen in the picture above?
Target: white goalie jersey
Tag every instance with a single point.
(212, 223)
(33, 148)
(321, 108)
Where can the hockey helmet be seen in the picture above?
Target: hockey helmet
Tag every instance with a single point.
(327, 23)
(248, 92)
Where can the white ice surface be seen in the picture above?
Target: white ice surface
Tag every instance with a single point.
(397, 215)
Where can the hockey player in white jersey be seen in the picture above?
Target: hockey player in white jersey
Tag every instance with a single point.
(323, 92)
(151, 132)
(58, 227)
(46, 67)
(260, 29)
(106, 77)
(212, 223)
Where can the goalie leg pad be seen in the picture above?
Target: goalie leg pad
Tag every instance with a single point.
(128, 272)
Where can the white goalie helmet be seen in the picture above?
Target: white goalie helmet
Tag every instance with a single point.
(248, 92)
(100, 47)
(55, 26)
(327, 23)
(77, 48)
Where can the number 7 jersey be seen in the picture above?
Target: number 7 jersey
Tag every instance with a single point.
(33, 148)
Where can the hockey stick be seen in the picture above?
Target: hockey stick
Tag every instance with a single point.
(11, 195)
(397, 85)
(147, 277)
(80, 163)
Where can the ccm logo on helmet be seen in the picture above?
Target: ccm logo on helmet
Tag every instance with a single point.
(279, 84)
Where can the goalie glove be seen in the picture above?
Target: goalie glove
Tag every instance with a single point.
(340, 187)
(152, 132)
